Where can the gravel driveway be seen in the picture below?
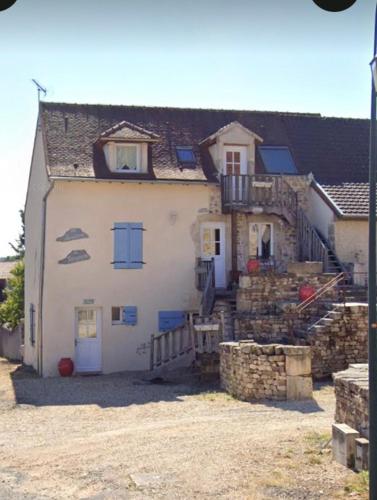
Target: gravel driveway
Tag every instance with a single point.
(117, 437)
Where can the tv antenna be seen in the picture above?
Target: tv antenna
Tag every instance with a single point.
(40, 89)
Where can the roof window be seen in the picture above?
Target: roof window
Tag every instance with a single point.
(277, 160)
(186, 156)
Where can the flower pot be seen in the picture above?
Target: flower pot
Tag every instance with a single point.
(65, 367)
(253, 265)
(306, 291)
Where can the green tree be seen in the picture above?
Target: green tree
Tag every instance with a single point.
(19, 245)
(12, 309)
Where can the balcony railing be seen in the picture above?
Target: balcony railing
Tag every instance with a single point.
(270, 192)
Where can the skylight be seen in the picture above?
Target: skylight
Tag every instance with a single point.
(277, 160)
(185, 155)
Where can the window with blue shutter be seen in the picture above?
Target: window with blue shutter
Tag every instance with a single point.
(168, 320)
(129, 315)
(128, 245)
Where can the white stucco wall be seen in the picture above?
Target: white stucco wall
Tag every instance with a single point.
(351, 243)
(37, 188)
(319, 213)
(166, 281)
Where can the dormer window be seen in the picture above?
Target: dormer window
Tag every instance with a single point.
(186, 156)
(123, 157)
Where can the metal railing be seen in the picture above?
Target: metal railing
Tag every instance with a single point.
(209, 290)
(311, 247)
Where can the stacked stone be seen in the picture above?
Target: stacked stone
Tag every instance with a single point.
(351, 393)
(251, 371)
(340, 341)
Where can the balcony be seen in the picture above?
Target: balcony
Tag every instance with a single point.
(259, 193)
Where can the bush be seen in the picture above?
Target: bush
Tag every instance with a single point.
(12, 309)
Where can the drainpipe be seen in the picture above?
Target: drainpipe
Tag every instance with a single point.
(41, 282)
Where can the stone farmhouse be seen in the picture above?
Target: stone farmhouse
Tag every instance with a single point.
(139, 218)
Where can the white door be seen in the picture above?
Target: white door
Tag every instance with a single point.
(213, 246)
(235, 164)
(88, 355)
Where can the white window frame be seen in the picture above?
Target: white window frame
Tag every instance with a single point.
(117, 322)
(111, 157)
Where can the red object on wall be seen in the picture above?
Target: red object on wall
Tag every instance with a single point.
(253, 265)
(306, 291)
(65, 367)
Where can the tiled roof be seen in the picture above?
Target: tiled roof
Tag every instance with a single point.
(5, 268)
(350, 198)
(334, 149)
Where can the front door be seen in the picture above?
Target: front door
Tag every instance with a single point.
(213, 246)
(88, 355)
(235, 164)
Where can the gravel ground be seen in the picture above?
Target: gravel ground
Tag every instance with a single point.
(117, 437)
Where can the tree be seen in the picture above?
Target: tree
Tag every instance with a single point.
(12, 309)
(19, 245)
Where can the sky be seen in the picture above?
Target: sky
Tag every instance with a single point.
(281, 55)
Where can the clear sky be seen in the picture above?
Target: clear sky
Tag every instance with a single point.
(285, 55)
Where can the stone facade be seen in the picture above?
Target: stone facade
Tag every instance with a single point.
(342, 340)
(351, 393)
(251, 371)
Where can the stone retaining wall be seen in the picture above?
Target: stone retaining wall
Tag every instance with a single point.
(341, 341)
(251, 371)
(351, 393)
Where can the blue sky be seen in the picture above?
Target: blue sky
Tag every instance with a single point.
(246, 54)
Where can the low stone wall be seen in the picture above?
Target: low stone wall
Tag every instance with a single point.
(251, 371)
(340, 341)
(351, 393)
(266, 292)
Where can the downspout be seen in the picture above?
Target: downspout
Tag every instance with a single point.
(41, 283)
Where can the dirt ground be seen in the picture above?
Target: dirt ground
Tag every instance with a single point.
(121, 437)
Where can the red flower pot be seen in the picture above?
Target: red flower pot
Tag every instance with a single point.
(253, 265)
(306, 291)
(65, 367)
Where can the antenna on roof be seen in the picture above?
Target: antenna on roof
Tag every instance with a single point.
(40, 89)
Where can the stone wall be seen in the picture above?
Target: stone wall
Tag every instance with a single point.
(351, 393)
(340, 340)
(261, 292)
(251, 371)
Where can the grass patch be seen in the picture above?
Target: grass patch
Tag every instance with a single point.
(216, 396)
(359, 484)
(317, 444)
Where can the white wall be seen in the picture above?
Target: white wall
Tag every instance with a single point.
(319, 213)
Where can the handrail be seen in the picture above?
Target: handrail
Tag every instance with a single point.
(311, 246)
(167, 346)
(208, 296)
(328, 286)
(258, 190)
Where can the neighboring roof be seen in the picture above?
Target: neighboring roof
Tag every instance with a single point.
(334, 149)
(6, 267)
(351, 199)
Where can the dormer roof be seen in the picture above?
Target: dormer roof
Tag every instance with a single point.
(227, 128)
(126, 131)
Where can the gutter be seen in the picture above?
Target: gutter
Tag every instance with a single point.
(41, 284)
(132, 181)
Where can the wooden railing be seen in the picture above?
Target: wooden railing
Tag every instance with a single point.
(202, 270)
(259, 190)
(311, 247)
(170, 345)
(207, 338)
(208, 296)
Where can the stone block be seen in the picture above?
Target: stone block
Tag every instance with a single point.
(303, 268)
(344, 444)
(244, 282)
(299, 388)
(299, 365)
(362, 454)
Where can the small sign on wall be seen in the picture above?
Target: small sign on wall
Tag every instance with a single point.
(87, 302)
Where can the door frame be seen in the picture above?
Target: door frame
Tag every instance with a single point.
(217, 225)
(241, 150)
(99, 324)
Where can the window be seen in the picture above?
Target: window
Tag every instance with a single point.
(277, 160)
(124, 315)
(123, 157)
(233, 163)
(186, 156)
(261, 240)
(128, 245)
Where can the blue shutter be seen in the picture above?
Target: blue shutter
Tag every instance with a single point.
(121, 245)
(136, 245)
(167, 320)
(129, 315)
(128, 245)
